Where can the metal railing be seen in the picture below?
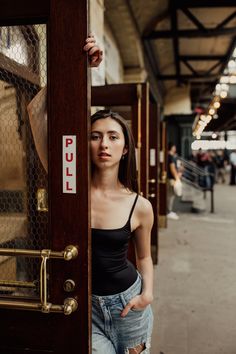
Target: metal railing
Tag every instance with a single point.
(198, 178)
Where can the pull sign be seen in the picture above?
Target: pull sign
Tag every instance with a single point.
(69, 163)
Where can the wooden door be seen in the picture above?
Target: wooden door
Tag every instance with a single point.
(153, 187)
(133, 103)
(44, 284)
(163, 177)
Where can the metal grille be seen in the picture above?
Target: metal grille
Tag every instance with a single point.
(23, 179)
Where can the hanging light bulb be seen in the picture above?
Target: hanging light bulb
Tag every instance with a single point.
(201, 123)
(232, 64)
(203, 117)
(223, 94)
(224, 80)
(224, 87)
(232, 79)
(211, 111)
(209, 118)
(216, 104)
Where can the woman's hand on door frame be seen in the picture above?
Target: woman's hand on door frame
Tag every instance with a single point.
(95, 54)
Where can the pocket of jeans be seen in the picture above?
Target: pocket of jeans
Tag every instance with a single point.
(125, 299)
(137, 310)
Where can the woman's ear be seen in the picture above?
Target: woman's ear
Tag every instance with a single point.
(125, 150)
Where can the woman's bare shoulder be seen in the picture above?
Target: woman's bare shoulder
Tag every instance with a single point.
(143, 214)
(144, 207)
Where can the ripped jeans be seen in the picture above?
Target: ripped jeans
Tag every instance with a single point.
(112, 334)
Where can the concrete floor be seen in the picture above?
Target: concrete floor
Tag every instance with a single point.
(195, 281)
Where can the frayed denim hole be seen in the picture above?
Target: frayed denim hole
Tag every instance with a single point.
(136, 349)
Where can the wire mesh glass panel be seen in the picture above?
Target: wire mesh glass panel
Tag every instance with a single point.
(23, 156)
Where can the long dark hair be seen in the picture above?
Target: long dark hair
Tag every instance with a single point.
(127, 169)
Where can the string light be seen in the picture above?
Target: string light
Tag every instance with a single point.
(211, 111)
(220, 92)
(223, 94)
(216, 104)
(224, 80)
(224, 87)
(209, 118)
(232, 79)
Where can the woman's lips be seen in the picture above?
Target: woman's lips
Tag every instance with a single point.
(104, 156)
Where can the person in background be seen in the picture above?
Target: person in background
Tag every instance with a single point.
(205, 161)
(220, 164)
(173, 175)
(232, 160)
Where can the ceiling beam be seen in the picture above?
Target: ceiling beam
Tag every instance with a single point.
(229, 54)
(202, 57)
(174, 29)
(213, 68)
(193, 18)
(189, 77)
(203, 83)
(189, 66)
(227, 20)
(151, 57)
(204, 3)
(157, 87)
(192, 33)
(154, 22)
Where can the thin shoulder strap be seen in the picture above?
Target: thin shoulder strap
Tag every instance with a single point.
(132, 209)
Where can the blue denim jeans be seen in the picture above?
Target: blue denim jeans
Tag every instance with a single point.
(113, 334)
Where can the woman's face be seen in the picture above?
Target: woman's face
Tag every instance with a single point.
(107, 143)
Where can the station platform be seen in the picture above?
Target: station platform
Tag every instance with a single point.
(195, 283)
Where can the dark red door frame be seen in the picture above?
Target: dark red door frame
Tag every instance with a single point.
(69, 215)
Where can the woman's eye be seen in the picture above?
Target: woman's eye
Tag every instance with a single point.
(113, 137)
(95, 137)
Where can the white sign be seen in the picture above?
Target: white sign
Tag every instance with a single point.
(161, 156)
(152, 157)
(69, 163)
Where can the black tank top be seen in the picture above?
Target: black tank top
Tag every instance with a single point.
(112, 272)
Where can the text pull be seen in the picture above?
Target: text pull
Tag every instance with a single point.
(69, 163)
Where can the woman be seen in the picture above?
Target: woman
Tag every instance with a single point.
(122, 317)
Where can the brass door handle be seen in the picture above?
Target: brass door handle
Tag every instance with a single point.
(70, 305)
(70, 252)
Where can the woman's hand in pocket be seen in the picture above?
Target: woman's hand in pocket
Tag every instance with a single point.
(138, 303)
